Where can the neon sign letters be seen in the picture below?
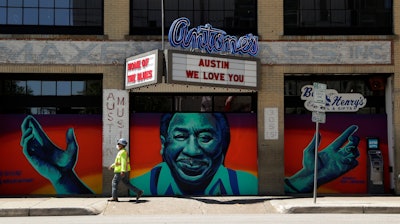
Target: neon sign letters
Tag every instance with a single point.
(210, 39)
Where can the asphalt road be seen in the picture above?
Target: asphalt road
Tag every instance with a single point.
(207, 219)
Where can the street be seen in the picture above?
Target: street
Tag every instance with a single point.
(225, 218)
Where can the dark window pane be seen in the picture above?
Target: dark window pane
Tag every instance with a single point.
(63, 3)
(79, 4)
(219, 14)
(63, 88)
(78, 88)
(155, 4)
(94, 17)
(62, 17)
(46, 94)
(141, 5)
(14, 16)
(341, 17)
(93, 87)
(52, 16)
(3, 14)
(186, 5)
(34, 88)
(79, 16)
(95, 4)
(140, 19)
(15, 3)
(46, 3)
(31, 16)
(19, 87)
(31, 3)
(156, 103)
(46, 17)
(49, 88)
(188, 103)
(192, 103)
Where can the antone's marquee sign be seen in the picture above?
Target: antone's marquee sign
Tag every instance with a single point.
(206, 68)
(210, 39)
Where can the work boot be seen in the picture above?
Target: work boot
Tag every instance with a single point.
(138, 195)
(113, 199)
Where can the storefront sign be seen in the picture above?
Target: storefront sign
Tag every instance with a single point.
(144, 69)
(115, 120)
(210, 39)
(58, 52)
(203, 69)
(271, 123)
(335, 102)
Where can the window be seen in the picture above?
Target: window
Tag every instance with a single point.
(193, 103)
(50, 94)
(351, 83)
(236, 17)
(51, 16)
(338, 17)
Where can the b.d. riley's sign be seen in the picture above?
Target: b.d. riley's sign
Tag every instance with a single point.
(335, 102)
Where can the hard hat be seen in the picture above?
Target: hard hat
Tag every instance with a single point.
(122, 141)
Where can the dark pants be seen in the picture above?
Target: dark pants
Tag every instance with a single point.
(125, 179)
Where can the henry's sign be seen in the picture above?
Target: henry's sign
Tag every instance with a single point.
(335, 102)
(205, 69)
(143, 69)
(210, 39)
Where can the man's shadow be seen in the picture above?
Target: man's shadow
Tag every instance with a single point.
(245, 200)
(134, 201)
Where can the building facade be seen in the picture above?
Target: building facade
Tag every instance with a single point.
(65, 68)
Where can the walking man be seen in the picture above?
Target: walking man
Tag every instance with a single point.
(121, 168)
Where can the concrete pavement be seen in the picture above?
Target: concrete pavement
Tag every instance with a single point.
(197, 205)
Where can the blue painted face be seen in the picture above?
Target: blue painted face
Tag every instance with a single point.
(193, 147)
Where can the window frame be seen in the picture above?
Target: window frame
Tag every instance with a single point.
(88, 28)
(353, 14)
(173, 102)
(152, 27)
(26, 102)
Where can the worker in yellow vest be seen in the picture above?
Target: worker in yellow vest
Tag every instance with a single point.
(122, 168)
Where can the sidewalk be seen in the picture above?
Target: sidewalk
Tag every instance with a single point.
(196, 205)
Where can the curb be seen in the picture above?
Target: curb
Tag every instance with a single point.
(47, 212)
(345, 209)
(51, 207)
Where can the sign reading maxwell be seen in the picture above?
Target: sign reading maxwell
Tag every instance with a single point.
(205, 69)
(143, 69)
(334, 102)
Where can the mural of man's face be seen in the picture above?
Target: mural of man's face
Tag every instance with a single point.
(193, 147)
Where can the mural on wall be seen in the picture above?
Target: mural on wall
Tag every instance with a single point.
(342, 155)
(194, 153)
(50, 154)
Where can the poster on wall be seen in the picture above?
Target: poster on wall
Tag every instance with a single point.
(50, 154)
(342, 152)
(194, 153)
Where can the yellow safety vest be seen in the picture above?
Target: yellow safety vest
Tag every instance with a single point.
(121, 163)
